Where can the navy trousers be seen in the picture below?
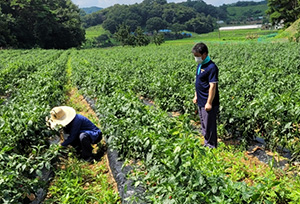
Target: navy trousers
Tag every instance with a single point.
(209, 126)
(84, 145)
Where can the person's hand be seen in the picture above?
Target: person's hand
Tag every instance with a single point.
(195, 99)
(208, 106)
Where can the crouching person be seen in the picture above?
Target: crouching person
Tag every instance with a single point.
(82, 132)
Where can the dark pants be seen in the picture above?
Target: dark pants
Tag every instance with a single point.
(84, 145)
(209, 126)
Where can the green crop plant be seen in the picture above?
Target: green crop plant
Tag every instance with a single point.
(173, 160)
(259, 95)
(33, 84)
(76, 182)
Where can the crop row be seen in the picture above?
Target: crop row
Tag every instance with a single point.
(259, 93)
(35, 82)
(259, 89)
(17, 65)
(174, 167)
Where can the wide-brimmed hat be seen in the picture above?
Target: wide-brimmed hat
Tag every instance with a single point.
(61, 115)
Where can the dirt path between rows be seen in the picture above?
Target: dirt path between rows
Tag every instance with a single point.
(82, 107)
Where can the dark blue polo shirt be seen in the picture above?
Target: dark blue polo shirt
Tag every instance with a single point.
(79, 125)
(208, 73)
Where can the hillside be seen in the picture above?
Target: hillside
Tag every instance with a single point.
(92, 9)
(247, 13)
(290, 31)
(154, 15)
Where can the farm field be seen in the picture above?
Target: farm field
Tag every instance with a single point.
(259, 96)
(95, 31)
(229, 36)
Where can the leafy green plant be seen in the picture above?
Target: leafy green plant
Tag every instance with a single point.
(25, 152)
(76, 182)
(172, 160)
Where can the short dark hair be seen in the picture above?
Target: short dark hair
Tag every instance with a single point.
(200, 48)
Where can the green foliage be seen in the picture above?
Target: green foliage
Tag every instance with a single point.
(244, 12)
(138, 38)
(124, 36)
(92, 20)
(91, 9)
(178, 27)
(24, 150)
(286, 11)
(174, 167)
(193, 16)
(77, 183)
(259, 97)
(95, 31)
(152, 16)
(158, 38)
(297, 35)
(44, 24)
(5, 38)
(200, 24)
(22, 175)
(202, 7)
(155, 24)
(103, 41)
(110, 25)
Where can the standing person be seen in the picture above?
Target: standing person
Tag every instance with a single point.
(206, 94)
(82, 132)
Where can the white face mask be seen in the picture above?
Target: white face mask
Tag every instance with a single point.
(198, 60)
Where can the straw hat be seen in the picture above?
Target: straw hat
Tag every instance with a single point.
(61, 115)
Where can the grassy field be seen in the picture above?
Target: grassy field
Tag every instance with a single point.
(249, 35)
(240, 12)
(290, 31)
(218, 36)
(95, 31)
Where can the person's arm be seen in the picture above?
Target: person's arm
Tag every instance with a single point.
(74, 131)
(211, 96)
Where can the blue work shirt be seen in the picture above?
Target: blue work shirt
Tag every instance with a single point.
(208, 73)
(81, 124)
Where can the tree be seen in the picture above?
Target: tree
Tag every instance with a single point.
(184, 14)
(124, 36)
(110, 25)
(177, 27)
(287, 11)
(103, 41)
(169, 15)
(158, 39)
(92, 19)
(133, 24)
(46, 24)
(201, 24)
(140, 38)
(6, 39)
(161, 2)
(155, 24)
(69, 31)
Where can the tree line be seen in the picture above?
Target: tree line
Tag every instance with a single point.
(191, 15)
(39, 23)
(153, 15)
(286, 11)
(60, 24)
